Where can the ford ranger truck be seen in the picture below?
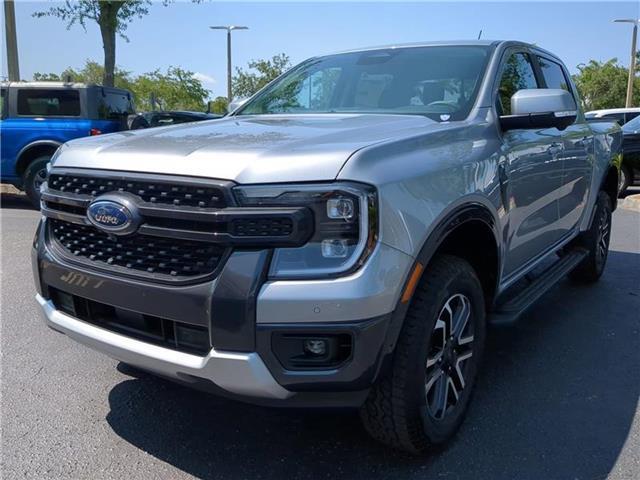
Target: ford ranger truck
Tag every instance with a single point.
(342, 239)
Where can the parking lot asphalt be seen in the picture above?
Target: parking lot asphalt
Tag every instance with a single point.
(557, 398)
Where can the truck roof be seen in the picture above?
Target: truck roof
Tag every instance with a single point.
(46, 84)
(481, 43)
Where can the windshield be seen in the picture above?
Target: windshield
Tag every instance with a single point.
(440, 82)
(632, 126)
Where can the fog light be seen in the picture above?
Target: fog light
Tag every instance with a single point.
(334, 248)
(340, 208)
(315, 347)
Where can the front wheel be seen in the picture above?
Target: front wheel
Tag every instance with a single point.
(423, 398)
(34, 177)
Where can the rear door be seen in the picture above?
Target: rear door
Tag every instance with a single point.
(531, 171)
(577, 157)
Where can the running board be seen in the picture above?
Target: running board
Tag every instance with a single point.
(508, 312)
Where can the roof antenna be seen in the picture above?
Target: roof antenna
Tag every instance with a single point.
(479, 34)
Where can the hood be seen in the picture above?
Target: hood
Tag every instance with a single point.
(251, 149)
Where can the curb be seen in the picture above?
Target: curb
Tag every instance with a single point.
(632, 202)
(10, 189)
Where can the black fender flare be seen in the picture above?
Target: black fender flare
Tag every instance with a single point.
(472, 211)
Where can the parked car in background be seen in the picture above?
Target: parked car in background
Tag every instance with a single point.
(342, 239)
(166, 118)
(38, 117)
(630, 170)
(619, 115)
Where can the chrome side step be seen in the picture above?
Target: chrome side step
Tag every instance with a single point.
(508, 312)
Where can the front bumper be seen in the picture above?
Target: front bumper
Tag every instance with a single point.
(243, 314)
(239, 373)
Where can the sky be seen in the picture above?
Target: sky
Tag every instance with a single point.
(178, 34)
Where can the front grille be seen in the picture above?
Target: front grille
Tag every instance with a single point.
(153, 191)
(150, 257)
(156, 330)
(263, 227)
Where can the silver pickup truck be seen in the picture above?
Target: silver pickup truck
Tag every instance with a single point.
(344, 238)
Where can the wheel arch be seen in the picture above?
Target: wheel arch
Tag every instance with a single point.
(451, 235)
(33, 150)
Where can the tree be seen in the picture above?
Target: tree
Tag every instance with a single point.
(112, 16)
(91, 72)
(175, 89)
(604, 84)
(46, 77)
(246, 83)
(219, 105)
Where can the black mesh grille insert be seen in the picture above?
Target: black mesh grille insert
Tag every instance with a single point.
(157, 192)
(271, 227)
(146, 256)
(158, 331)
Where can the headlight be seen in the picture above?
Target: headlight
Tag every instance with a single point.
(345, 226)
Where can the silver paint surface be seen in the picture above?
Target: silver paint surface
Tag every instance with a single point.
(539, 185)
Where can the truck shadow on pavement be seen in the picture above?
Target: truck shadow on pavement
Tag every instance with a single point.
(15, 200)
(556, 399)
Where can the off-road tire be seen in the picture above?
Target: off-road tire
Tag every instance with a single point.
(396, 412)
(596, 242)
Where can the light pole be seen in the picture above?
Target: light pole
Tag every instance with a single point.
(229, 28)
(632, 64)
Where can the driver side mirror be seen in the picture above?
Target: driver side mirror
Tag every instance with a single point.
(540, 108)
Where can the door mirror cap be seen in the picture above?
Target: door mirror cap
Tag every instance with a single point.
(540, 108)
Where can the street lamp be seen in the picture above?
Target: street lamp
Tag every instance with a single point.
(229, 28)
(632, 65)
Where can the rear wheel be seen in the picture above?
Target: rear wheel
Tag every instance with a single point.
(34, 176)
(596, 241)
(423, 399)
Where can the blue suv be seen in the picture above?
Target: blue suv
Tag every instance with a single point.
(38, 117)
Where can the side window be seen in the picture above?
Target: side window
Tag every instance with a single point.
(3, 103)
(517, 74)
(553, 74)
(48, 103)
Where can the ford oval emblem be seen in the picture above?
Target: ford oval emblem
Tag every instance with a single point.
(111, 216)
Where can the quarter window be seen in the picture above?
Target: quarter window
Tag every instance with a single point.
(48, 103)
(517, 74)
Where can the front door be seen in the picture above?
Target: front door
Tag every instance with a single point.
(531, 170)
